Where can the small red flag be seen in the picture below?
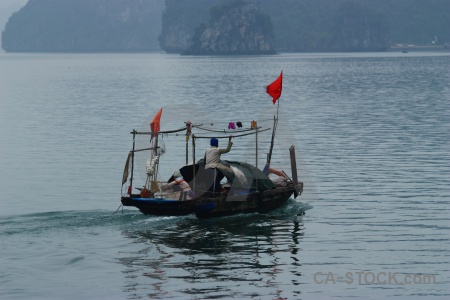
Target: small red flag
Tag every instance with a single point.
(274, 89)
(154, 125)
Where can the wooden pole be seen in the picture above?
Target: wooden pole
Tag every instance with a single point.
(275, 124)
(193, 160)
(269, 156)
(294, 170)
(155, 153)
(256, 163)
(187, 147)
(227, 136)
(132, 162)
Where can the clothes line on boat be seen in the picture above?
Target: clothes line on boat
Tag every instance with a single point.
(228, 131)
(164, 131)
(233, 126)
(167, 131)
(225, 137)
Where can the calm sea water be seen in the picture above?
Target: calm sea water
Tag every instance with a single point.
(372, 138)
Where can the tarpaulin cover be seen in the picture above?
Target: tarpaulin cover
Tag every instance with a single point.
(255, 179)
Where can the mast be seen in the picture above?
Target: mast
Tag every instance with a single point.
(154, 164)
(274, 90)
(269, 156)
(132, 161)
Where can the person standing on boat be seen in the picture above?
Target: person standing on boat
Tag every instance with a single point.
(186, 192)
(212, 159)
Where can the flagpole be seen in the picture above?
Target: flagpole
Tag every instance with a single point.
(278, 107)
(274, 90)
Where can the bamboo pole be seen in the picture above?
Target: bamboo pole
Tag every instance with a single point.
(144, 149)
(227, 136)
(132, 162)
(187, 147)
(269, 156)
(162, 132)
(155, 153)
(165, 131)
(227, 131)
(256, 158)
(193, 159)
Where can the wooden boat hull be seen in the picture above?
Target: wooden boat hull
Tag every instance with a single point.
(160, 206)
(256, 202)
(209, 207)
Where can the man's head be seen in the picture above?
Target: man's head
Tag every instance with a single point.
(214, 142)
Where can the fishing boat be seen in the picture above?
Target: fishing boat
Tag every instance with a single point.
(234, 187)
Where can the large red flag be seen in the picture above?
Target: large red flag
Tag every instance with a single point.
(154, 125)
(274, 89)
